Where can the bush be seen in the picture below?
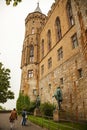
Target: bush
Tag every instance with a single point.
(23, 102)
(32, 106)
(47, 109)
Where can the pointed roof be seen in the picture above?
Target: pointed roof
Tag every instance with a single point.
(38, 8)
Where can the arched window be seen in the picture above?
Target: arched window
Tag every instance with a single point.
(42, 48)
(58, 29)
(49, 39)
(31, 53)
(70, 13)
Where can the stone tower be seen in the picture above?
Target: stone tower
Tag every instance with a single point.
(30, 53)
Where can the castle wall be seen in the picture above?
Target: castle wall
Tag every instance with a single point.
(74, 88)
(70, 71)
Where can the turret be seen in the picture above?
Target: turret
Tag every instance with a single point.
(34, 23)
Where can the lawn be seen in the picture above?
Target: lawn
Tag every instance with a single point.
(51, 125)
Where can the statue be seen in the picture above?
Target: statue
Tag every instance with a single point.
(58, 96)
(37, 101)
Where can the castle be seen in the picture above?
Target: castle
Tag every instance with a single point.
(55, 54)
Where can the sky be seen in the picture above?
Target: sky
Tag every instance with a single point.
(12, 32)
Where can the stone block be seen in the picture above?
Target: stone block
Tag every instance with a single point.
(37, 112)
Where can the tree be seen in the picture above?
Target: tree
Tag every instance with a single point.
(5, 93)
(15, 2)
(23, 102)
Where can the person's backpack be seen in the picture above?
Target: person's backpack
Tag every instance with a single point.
(23, 114)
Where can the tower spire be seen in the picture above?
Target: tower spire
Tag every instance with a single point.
(38, 8)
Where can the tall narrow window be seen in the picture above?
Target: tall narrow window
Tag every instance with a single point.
(42, 69)
(70, 13)
(58, 29)
(32, 31)
(86, 34)
(80, 73)
(61, 81)
(49, 62)
(60, 53)
(42, 48)
(74, 41)
(49, 39)
(31, 53)
(30, 73)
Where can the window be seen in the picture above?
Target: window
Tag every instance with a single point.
(42, 69)
(86, 34)
(58, 29)
(30, 73)
(42, 48)
(31, 53)
(49, 62)
(60, 53)
(69, 13)
(33, 22)
(35, 92)
(86, 12)
(49, 39)
(22, 91)
(74, 41)
(32, 31)
(80, 73)
(61, 81)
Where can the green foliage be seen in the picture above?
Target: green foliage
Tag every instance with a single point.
(5, 93)
(1, 108)
(23, 102)
(15, 2)
(47, 109)
(51, 125)
(32, 107)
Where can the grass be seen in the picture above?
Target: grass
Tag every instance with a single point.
(51, 125)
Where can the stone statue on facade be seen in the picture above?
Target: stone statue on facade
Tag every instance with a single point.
(37, 101)
(58, 96)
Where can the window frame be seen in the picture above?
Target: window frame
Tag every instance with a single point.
(80, 73)
(49, 62)
(42, 69)
(74, 41)
(30, 74)
(60, 53)
(58, 28)
(31, 53)
(32, 30)
(42, 48)
(70, 13)
(49, 39)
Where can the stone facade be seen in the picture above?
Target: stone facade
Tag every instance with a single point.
(55, 53)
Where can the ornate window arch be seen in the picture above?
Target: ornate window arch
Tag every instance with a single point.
(69, 13)
(49, 39)
(58, 29)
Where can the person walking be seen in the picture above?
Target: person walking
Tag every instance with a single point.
(24, 114)
(12, 118)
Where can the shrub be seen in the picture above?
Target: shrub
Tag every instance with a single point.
(23, 102)
(47, 109)
(32, 106)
